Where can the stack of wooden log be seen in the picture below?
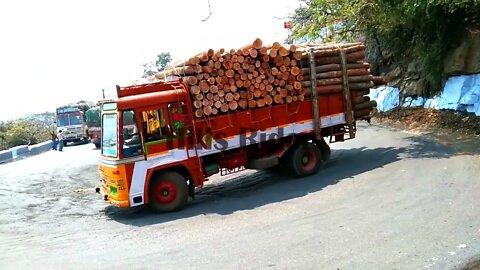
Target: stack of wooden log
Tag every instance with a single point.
(329, 73)
(257, 76)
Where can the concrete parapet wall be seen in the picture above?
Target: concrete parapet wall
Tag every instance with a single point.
(40, 148)
(18, 151)
(5, 156)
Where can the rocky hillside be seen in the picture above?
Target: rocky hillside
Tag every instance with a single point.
(462, 60)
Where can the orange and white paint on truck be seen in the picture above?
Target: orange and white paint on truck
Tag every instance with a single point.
(169, 153)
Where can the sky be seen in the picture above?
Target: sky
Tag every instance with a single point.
(56, 52)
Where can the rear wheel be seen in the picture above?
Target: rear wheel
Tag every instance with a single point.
(305, 159)
(168, 192)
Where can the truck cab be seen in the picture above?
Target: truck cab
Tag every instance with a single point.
(143, 142)
(71, 121)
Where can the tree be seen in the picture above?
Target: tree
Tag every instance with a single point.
(24, 131)
(32, 129)
(162, 60)
(150, 68)
(424, 30)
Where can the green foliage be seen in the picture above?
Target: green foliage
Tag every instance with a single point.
(424, 30)
(149, 69)
(83, 105)
(29, 130)
(162, 60)
(330, 20)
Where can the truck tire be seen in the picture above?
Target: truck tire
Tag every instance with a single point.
(305, 159)
(168, 192)
(324, 149)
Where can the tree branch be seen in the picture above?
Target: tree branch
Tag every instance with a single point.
(210, 10)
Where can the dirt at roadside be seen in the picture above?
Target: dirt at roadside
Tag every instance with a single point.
(429, 120)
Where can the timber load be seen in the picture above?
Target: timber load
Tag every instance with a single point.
(258, 75)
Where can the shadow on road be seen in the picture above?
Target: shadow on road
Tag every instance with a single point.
(440, 147)
(262, 188)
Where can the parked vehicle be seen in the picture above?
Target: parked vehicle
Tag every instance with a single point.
(93, 125)
(72, 121)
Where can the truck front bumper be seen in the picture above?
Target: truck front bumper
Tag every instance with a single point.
(104, 192)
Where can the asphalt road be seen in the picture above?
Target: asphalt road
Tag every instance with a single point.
(386, 200)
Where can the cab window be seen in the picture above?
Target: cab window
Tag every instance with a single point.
(179, 118)
(156, 125)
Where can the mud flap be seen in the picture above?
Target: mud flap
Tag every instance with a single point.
(191, 189)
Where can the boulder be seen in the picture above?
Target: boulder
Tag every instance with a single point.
(387, 97)
(393, 75)
(460, 93)
(465, 59)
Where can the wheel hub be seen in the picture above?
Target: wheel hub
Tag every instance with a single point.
(305, 159)
(165, 192)
(308, 160)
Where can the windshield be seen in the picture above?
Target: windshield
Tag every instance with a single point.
(69, 119)
(109, 135)
(62, 120)
(75, 119)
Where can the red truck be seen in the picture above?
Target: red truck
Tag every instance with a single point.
(186, 130)
(71, 120)
(171, 152)
(93, 125)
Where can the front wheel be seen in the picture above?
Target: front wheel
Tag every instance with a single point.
(168, 192)
(305, 159)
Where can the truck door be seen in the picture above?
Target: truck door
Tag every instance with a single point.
(166, 132)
